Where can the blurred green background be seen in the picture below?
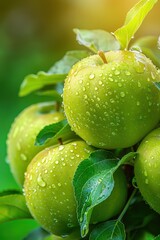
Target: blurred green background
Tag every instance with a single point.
(33, 35)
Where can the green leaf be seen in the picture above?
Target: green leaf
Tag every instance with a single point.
(150, 47)
(51, 93)
(128, 158)
(60, 131)
(133, 21)
(34, 82)
(13, 207)
(93, 182)
(37, 234)
(64, 65)
(111, 230)
(97, 40)
(55, 75)
(157, 84)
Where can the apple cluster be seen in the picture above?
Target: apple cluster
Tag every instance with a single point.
(111, 102)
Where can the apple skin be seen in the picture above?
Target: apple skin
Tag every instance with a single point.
(147, 165)
(22, 135)
(49, 191)
(115, 104)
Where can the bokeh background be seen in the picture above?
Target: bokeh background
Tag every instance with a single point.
(33, 35)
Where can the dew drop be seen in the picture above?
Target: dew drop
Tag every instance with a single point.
(91, 76)
(112, 100)
(145, 173)
(127, 73)
(122, 94)
(119, 84)
(146, 181)
(139, 67)
(59, 185)
(23, 157)
(138, 103)
(30, 177)
(100, 82)
(117, 72)
(40, 181)
(110, 79)
(152, 75)
(61, 147)
(18, 146)
(15, 132)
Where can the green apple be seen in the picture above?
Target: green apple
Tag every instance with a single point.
(49, 192)
(22, 135)
(143, 235)
(111, 102)
(147, 165)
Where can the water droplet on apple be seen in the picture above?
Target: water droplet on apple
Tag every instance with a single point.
(40, 181)
(122, 94)
(61, 147)
(117, 72)
(139, 67)
(112, 100)
(23, 157)
(91, 76)
(145, 173)
(15, 132)
(152, 75)
(119, 84)
(146, 181)
(127, 73)
(18, 146)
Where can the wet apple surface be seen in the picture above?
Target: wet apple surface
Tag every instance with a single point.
(114, 104)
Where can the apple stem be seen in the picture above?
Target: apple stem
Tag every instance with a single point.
(60, 141)
(102, 56)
